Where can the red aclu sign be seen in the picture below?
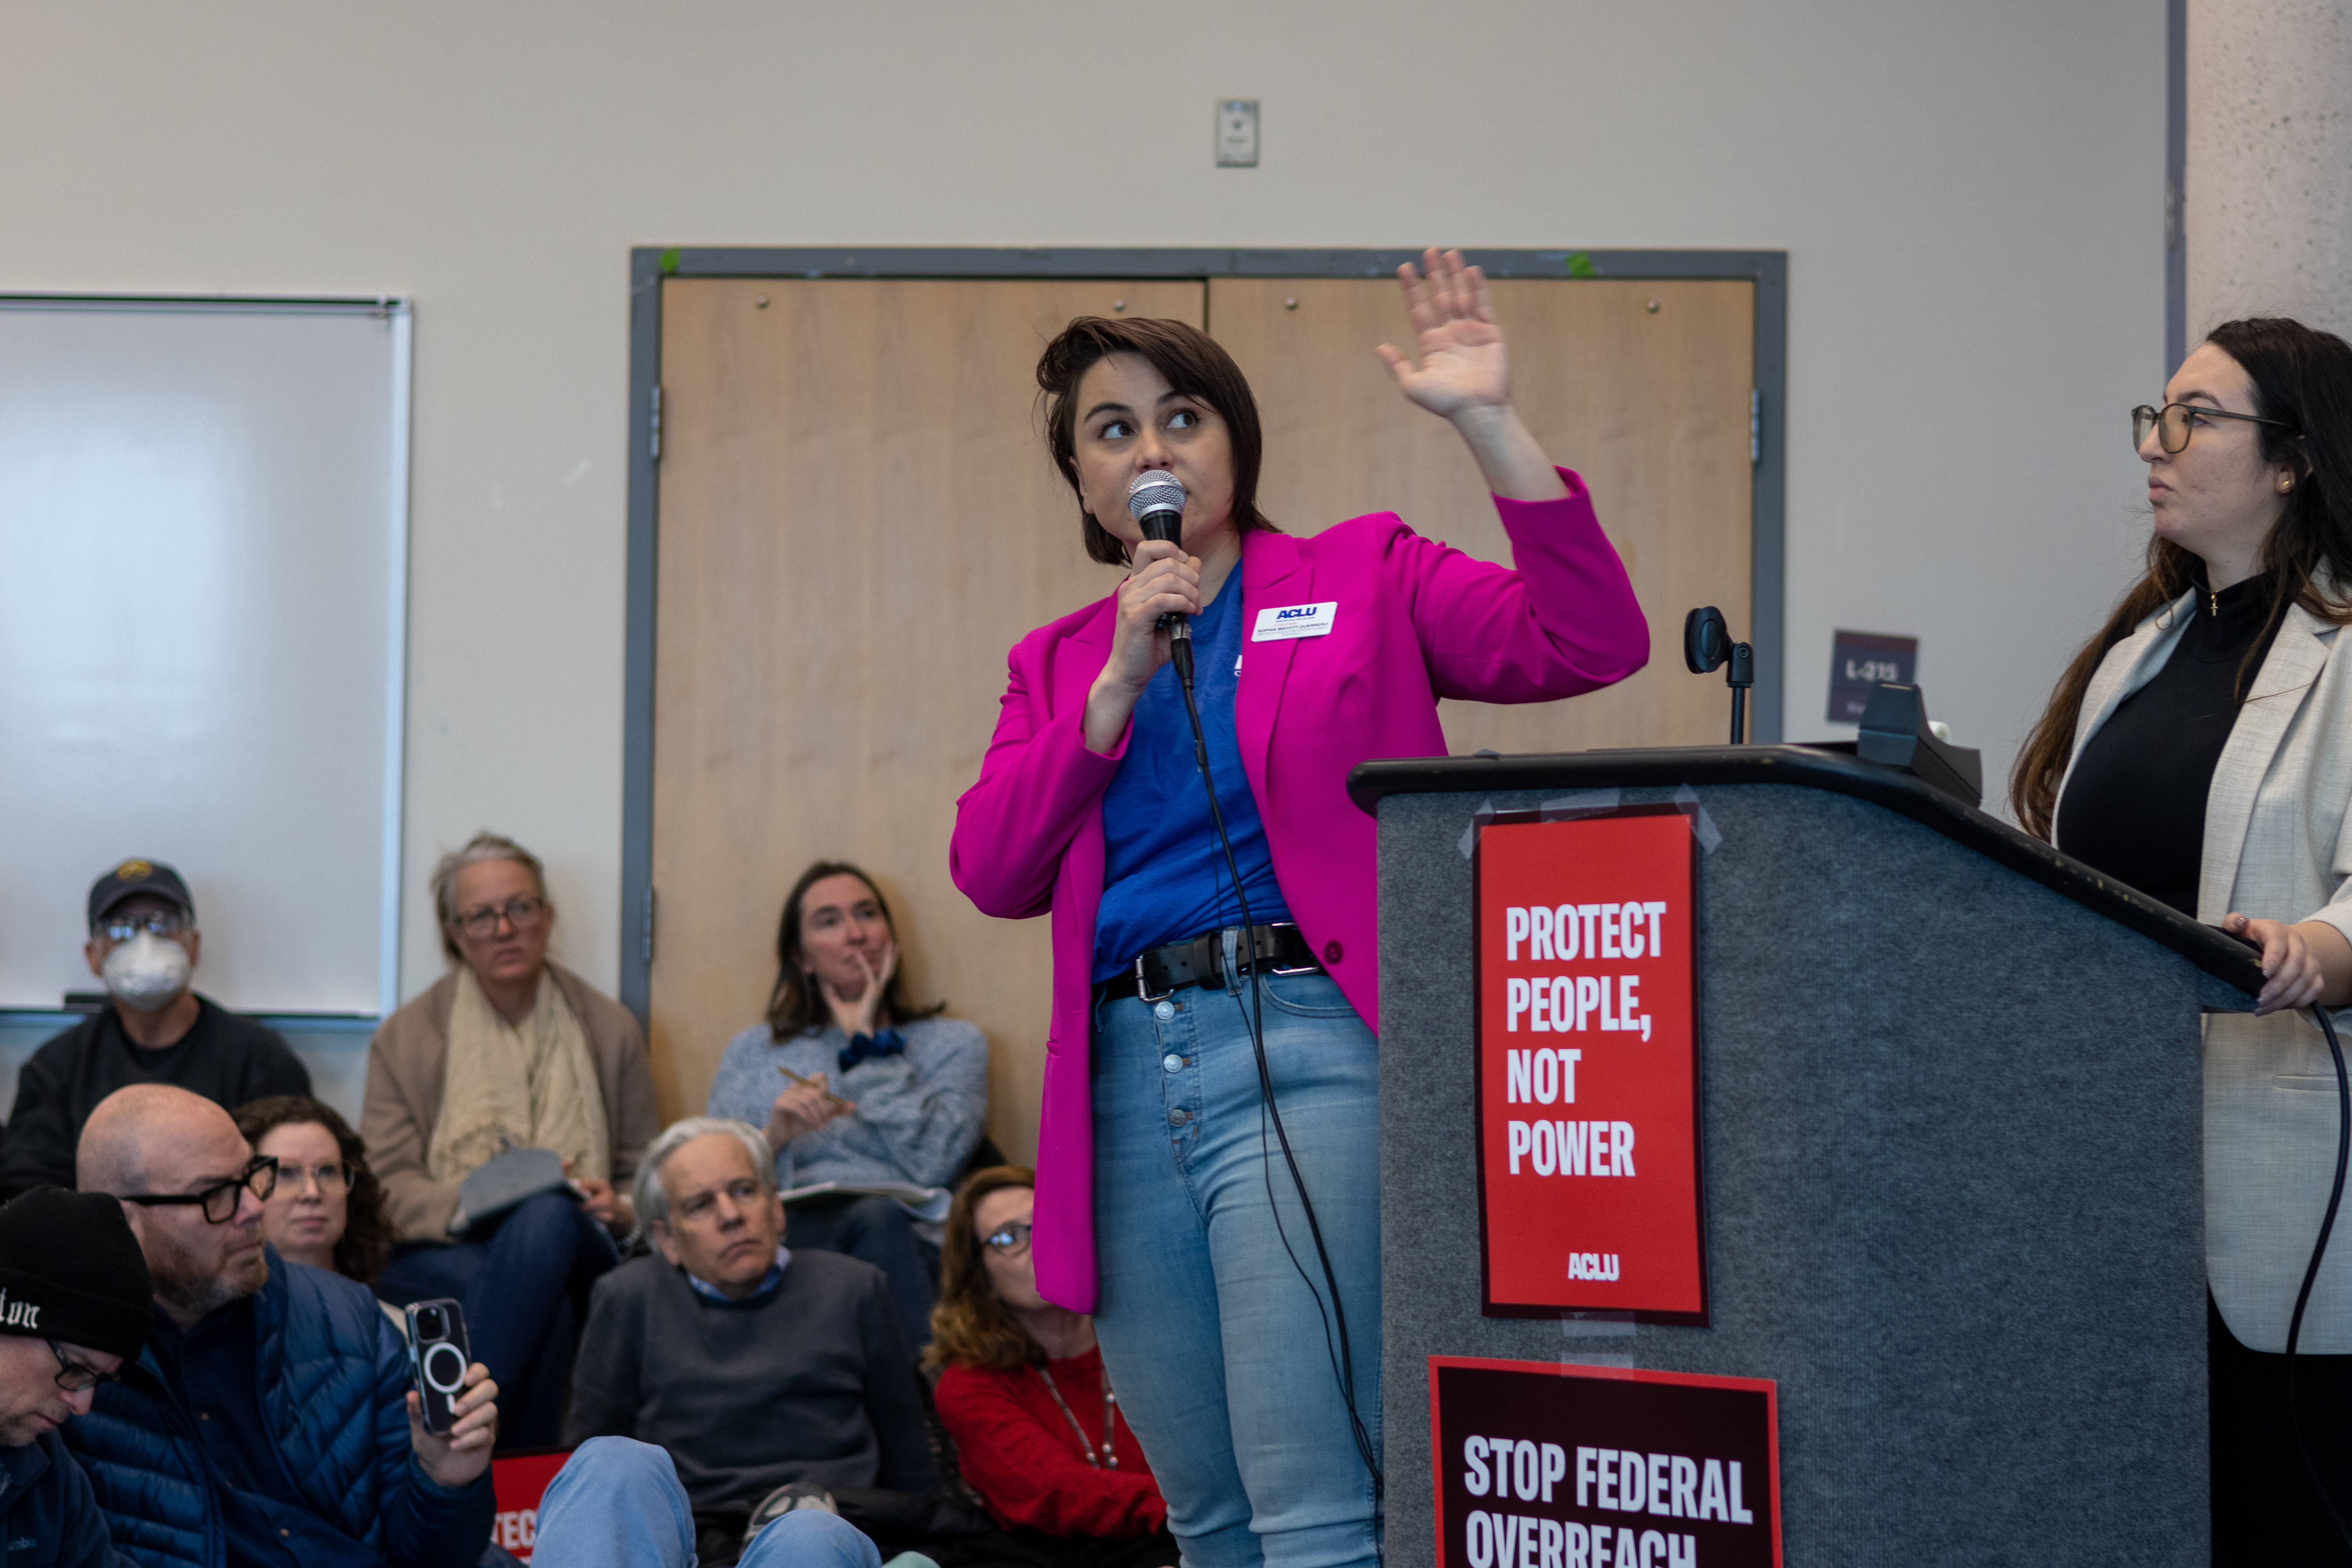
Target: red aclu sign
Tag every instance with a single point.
(519, 1481)
(1587, 1076)
(1585, 1467)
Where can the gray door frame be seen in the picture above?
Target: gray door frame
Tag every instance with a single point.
(650, 264)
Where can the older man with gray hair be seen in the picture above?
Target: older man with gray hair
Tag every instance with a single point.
(755, 1367)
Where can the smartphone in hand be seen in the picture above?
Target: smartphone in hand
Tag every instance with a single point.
(437, 1358)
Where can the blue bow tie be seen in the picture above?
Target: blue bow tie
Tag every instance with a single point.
(887, 1043)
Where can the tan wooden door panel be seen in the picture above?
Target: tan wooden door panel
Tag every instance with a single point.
(1650, 406)
(858, 517)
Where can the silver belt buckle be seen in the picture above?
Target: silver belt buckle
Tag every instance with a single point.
(1302, 969)
(1142, 990)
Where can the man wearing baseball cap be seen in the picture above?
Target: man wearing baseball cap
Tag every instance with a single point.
(75, 1304)
(143, 943)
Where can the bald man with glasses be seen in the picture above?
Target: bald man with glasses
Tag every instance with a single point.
(269, 1420)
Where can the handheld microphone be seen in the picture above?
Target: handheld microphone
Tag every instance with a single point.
(1156, 501)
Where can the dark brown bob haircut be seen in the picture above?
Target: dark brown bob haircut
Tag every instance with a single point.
(797, 1007)
(1196, 364)
(367, 1240)
(969, 1326)
(2303, 379)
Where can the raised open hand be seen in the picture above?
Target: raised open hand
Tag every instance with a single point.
(1463, 365)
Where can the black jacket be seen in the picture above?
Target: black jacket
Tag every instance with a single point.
(228, 1058)
(48, 1518)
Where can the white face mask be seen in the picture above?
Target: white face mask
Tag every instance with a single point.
(146, 971)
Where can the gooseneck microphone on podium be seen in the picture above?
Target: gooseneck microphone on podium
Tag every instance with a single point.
(1706, 645)
(1156, 501)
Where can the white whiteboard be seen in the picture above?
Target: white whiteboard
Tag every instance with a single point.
(203, 541)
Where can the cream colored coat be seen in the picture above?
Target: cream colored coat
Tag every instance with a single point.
(2278, 845)
(408, 1065)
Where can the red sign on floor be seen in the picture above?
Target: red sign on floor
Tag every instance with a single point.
(1588, 1068)
(1587, 1467)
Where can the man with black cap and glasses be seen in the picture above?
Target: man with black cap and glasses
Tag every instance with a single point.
(270, 1419)
(74, 1306)
(143, 944)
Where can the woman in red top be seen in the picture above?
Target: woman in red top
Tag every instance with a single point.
(1036, 1426)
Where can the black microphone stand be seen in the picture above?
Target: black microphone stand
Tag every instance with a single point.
(1708, 645)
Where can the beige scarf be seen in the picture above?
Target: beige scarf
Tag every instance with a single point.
(535, 1087)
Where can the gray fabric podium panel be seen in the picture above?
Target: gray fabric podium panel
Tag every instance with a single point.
(1953, 1187)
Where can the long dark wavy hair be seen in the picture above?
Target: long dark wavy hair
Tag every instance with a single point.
(367, 1235)
(795, 1007)
(1196, 364)
(969, 1326)
(2302, 377)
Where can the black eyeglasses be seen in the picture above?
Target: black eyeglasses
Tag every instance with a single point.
(220, 1199)
(1009, 1239)
(159, 922)
(522, 913)
(73, 1377)
(2174, 421)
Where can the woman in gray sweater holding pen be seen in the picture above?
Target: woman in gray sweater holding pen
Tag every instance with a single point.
(854, 1086)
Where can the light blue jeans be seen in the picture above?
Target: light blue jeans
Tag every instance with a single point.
(618, 1503)
(1214, 1342)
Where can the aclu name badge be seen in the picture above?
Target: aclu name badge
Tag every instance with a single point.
(1280, 623)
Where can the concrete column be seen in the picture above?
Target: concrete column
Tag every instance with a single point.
(2268, 193)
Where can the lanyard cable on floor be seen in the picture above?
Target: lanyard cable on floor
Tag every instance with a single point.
(2319, 1251)
(1344, 1362)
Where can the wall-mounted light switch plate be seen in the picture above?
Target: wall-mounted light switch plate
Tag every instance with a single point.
(1238, 133)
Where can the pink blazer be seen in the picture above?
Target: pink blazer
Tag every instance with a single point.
(1417, 620)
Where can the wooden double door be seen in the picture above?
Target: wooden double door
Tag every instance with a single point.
(858, 518)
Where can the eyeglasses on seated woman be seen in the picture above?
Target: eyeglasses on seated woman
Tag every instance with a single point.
(507, 1048)
(325, 1207)
(1022, 1393)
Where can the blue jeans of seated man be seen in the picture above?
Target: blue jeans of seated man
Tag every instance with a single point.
(1213, 1342)
(524, 1290)
(618, 1503)
(875, 1230)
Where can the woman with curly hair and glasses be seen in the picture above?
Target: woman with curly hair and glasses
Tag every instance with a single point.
(1022, 1390)
(328, 1208)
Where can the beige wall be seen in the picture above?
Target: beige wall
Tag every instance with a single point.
(1970, 195)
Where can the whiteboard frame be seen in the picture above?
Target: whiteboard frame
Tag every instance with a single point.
(399, 313)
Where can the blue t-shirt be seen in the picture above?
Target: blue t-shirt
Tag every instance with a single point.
(1163, 870)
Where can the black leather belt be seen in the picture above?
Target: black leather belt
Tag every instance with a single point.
(1277, 949)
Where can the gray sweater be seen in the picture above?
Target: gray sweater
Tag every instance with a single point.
(919, 1115)
(811, 1383)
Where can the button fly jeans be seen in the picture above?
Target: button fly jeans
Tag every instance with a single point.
(1215, 1343)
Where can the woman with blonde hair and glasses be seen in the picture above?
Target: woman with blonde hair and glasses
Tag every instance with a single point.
(1023, 1392)
(507, 1050)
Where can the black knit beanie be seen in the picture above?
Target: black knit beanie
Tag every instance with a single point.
(71, 1270)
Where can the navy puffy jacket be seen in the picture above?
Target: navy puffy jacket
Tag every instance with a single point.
(334, 1380)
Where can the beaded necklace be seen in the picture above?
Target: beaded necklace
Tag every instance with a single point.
(1109, 1460)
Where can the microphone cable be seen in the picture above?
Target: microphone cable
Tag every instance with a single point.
(1344, 1368)
(2311, 1274)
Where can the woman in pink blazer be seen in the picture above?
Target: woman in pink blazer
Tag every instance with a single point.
(1165, 1203)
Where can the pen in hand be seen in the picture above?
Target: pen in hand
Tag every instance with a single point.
(811, 1083)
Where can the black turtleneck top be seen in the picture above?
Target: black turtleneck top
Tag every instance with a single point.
(2135, 808)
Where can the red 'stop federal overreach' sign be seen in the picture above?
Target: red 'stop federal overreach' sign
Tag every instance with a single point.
(1588, 1052)
(1591, 1467)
